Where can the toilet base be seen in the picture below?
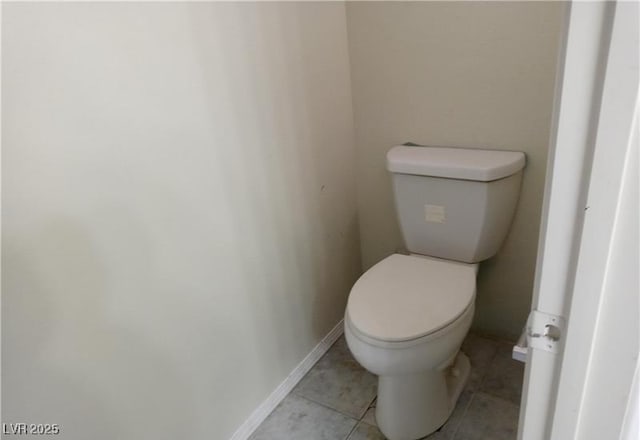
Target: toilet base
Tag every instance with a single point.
(413, 406)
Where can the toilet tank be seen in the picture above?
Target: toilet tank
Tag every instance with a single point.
(455, 203)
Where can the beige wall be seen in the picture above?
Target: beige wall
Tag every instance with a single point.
(179, 210)
(477, 74)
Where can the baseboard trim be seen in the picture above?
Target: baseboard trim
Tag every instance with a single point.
(262, 412)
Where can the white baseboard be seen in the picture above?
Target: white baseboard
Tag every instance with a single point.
(265, 408)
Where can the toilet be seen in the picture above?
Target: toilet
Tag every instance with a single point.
(407, 316)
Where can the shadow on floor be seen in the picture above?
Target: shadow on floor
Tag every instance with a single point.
(336, 399)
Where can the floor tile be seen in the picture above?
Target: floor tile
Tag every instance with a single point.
(488, 418)
(365, 431)
(481, 352)
(449, 429)
(297, 418)
(339, 382)
(370, 416)
(486, 410)
(504, 376)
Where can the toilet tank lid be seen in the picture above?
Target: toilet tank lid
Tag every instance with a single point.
(454, 163)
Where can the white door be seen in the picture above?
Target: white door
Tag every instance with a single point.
(578, 375)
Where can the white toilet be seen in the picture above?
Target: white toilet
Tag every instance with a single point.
(407, 316)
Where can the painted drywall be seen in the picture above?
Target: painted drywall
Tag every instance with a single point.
(179, 210)
(467, 74)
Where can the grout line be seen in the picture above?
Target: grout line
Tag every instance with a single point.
(495, 396)
(464, 414)
(334, 410)
(264, 409)
(493, 338)
(326, 406)
(352, 431)
(355, 426)
(487, 391)
(486, 370)
(502, 399)
(369, 406)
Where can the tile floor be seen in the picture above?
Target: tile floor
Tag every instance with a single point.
(336, 399)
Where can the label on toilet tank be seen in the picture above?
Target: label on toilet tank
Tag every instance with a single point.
(434, 213)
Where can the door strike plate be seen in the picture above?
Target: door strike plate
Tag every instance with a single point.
(545, 331)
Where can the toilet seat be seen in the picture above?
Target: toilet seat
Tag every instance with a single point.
(403, 297)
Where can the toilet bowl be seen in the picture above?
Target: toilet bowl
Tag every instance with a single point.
(405, 321)
(406, 317)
